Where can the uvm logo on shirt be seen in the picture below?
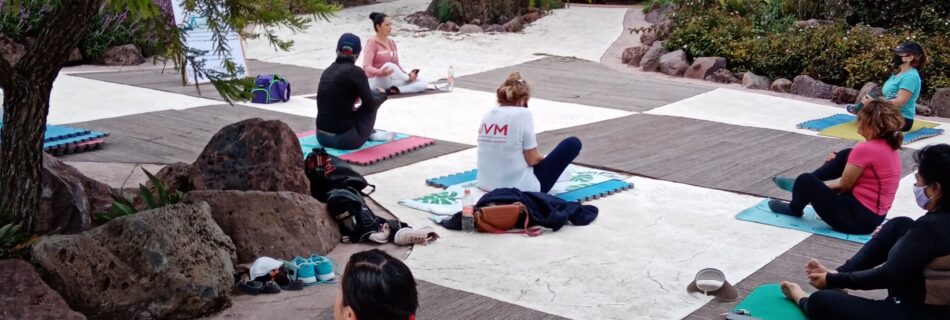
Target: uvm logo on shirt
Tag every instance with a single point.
(493, 133)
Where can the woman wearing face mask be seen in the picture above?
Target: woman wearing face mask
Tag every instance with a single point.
(381, 61)
(902, 89)
(894, 259)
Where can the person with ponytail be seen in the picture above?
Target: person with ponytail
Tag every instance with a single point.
(869, 174)
(897, 258)
(381, 61)
(508, 154)
(902, 89)
(376, 286)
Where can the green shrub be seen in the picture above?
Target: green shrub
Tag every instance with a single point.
(26, 19)
(707, 32)
(152, 199)
(108, 29)
(925, 16)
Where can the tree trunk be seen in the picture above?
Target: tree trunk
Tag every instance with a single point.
(27, 86)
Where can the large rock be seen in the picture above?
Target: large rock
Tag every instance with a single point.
(659, 13)
(495, 28)
(867, 89)
(271, 224)
(651, 59)
(723, 76)
(753, 81)
(470, 28)
(126, 55)
(633, 55)
(648, 37)
(844, 95)
(811, 23)
(252, 155)
(68, 198)
(781, 85)
(448, 26)
(531, 16)
(940, 103)
(809, 87)
(169, 263)
(674, 63)
(24, 295)
(423, 19)
(176, 177)
(514, 25)
(924, 110)
(10, 50)
(704, 66)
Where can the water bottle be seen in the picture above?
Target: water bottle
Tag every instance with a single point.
(451, 79)
(468, 212)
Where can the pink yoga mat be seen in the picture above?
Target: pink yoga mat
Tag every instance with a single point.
(385, 151)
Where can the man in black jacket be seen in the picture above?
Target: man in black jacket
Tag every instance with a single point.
(341, 125)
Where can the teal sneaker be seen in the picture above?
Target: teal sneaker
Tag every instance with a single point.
(305, 270)
(324, 268)
(784, 183)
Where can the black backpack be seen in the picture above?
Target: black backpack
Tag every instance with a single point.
(327, 172)
(356, 220)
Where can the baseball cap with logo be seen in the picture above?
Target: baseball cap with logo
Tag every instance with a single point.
(349, 44)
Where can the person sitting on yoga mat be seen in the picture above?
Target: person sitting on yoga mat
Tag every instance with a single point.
(381, 61)
(894, 259)
(376, 286)
(341, 125)
(869, 174)
(508, 154)
(902, 89)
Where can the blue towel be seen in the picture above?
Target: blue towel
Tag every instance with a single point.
(827, 122)
(809, 222)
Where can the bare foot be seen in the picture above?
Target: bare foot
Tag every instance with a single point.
(793, 291)
(813, 266)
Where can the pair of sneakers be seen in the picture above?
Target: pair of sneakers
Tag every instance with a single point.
(253, 287)
(313, 270)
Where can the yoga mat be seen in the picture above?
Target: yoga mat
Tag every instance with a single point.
(921, 134)
(77, 148)
(827, 122)
(370, 155)
(308, 141)
(72, 141)
(54, 132)
(849, 130)
(809, 222)
(767, 302)
(405, 95)
(452, 179)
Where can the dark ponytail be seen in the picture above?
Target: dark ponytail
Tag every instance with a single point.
(379, 287)
(378, 19)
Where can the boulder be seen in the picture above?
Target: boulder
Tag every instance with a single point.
(476, 22)
(253, 154)
(651, 59)
(531, 16)
(940, 103)
(722, 76)
(176, 177)
(68, 198)
(75, 57)
(674, 63)
(867, 89)
(448, 26)
(924, 110)
(495, 28)
(271, 224)
(470, 28)
(126, 55)
(648, 37)
(753, 81)
(424, 20)
(10, 50)
(704, 67)
(633, 55)
(842, 95)
(659, 13)
(811, 23)
(24, 295)
(514, 25)
(809, 87)
(169, 263)
(781, 85)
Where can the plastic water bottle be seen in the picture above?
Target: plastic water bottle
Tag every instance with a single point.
(451, 79)
(468, 212)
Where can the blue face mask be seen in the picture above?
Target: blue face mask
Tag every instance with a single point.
(922, 199)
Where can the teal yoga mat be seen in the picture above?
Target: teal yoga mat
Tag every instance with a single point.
(809, 222)
(308, 141)
(767, 302)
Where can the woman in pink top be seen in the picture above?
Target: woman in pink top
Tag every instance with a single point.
(381, 61)
(869, 175)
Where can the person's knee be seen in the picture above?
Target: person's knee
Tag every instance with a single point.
(897, 226)
(821, 303)
(572, 143)
(806, 179)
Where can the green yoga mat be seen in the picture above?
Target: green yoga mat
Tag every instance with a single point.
(849, 130)
(767, 302)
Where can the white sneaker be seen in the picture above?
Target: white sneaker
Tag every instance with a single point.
(381, 136)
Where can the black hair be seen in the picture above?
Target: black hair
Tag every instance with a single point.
(379, 287)
(378, 19)
(933, 164)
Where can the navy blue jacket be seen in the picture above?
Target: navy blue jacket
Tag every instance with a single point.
(545, 210)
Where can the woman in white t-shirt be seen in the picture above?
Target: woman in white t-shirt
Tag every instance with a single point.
(508, 154)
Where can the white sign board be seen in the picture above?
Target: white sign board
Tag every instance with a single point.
(198, 37)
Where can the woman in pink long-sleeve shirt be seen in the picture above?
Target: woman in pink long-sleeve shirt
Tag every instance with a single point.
(381, 61)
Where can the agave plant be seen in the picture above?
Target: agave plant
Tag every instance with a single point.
(122, 206)
(11, 236)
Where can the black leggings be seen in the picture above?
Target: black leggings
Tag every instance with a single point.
(842, 211)
(357, 135)
(832, 304)
(908, 124)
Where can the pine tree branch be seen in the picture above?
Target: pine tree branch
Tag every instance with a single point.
(58, 39)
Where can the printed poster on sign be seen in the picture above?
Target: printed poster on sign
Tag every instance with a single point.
(200, 43)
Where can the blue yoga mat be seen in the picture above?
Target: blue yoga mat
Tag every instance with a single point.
(809, 222)
(63, 142)
(922, 133)
(596, 191)
(827, 122)
(453, 179)
(54, 132)
(309, 142)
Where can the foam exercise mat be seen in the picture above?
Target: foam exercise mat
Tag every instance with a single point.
(809, 222)
(844, 126)
(370, 152)
(767, 302)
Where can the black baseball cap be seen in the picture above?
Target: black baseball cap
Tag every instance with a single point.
(909, 48)
(349, 43)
